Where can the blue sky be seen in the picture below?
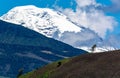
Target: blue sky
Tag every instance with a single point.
(6, 5)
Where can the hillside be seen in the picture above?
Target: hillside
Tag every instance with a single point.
(23, 48)
(98, 65)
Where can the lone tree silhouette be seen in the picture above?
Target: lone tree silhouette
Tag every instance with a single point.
(20, 72)
(59, 64)
(93, 47)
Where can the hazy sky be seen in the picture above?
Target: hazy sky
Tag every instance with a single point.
(103, 16)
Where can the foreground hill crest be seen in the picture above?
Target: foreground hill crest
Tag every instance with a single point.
(97, 65)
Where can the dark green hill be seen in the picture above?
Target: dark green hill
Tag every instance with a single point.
(15, 34)
(27, 49)
(98, 65)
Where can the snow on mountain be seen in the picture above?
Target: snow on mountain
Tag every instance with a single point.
(53, 24)
(42, 20)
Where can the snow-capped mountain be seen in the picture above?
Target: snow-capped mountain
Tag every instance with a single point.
(42, 20)
(53, 24)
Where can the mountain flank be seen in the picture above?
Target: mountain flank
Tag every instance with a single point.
(22, 48)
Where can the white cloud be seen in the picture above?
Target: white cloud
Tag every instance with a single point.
(84, 3)
(115, 7)
(89, 16)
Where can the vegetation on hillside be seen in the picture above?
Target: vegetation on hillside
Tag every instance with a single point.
(97, 65)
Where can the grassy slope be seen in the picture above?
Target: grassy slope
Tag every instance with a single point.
(44, 71)
(98, 65)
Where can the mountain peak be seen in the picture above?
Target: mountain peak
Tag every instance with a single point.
(25, 7)
(43, 20)
(52, 24)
